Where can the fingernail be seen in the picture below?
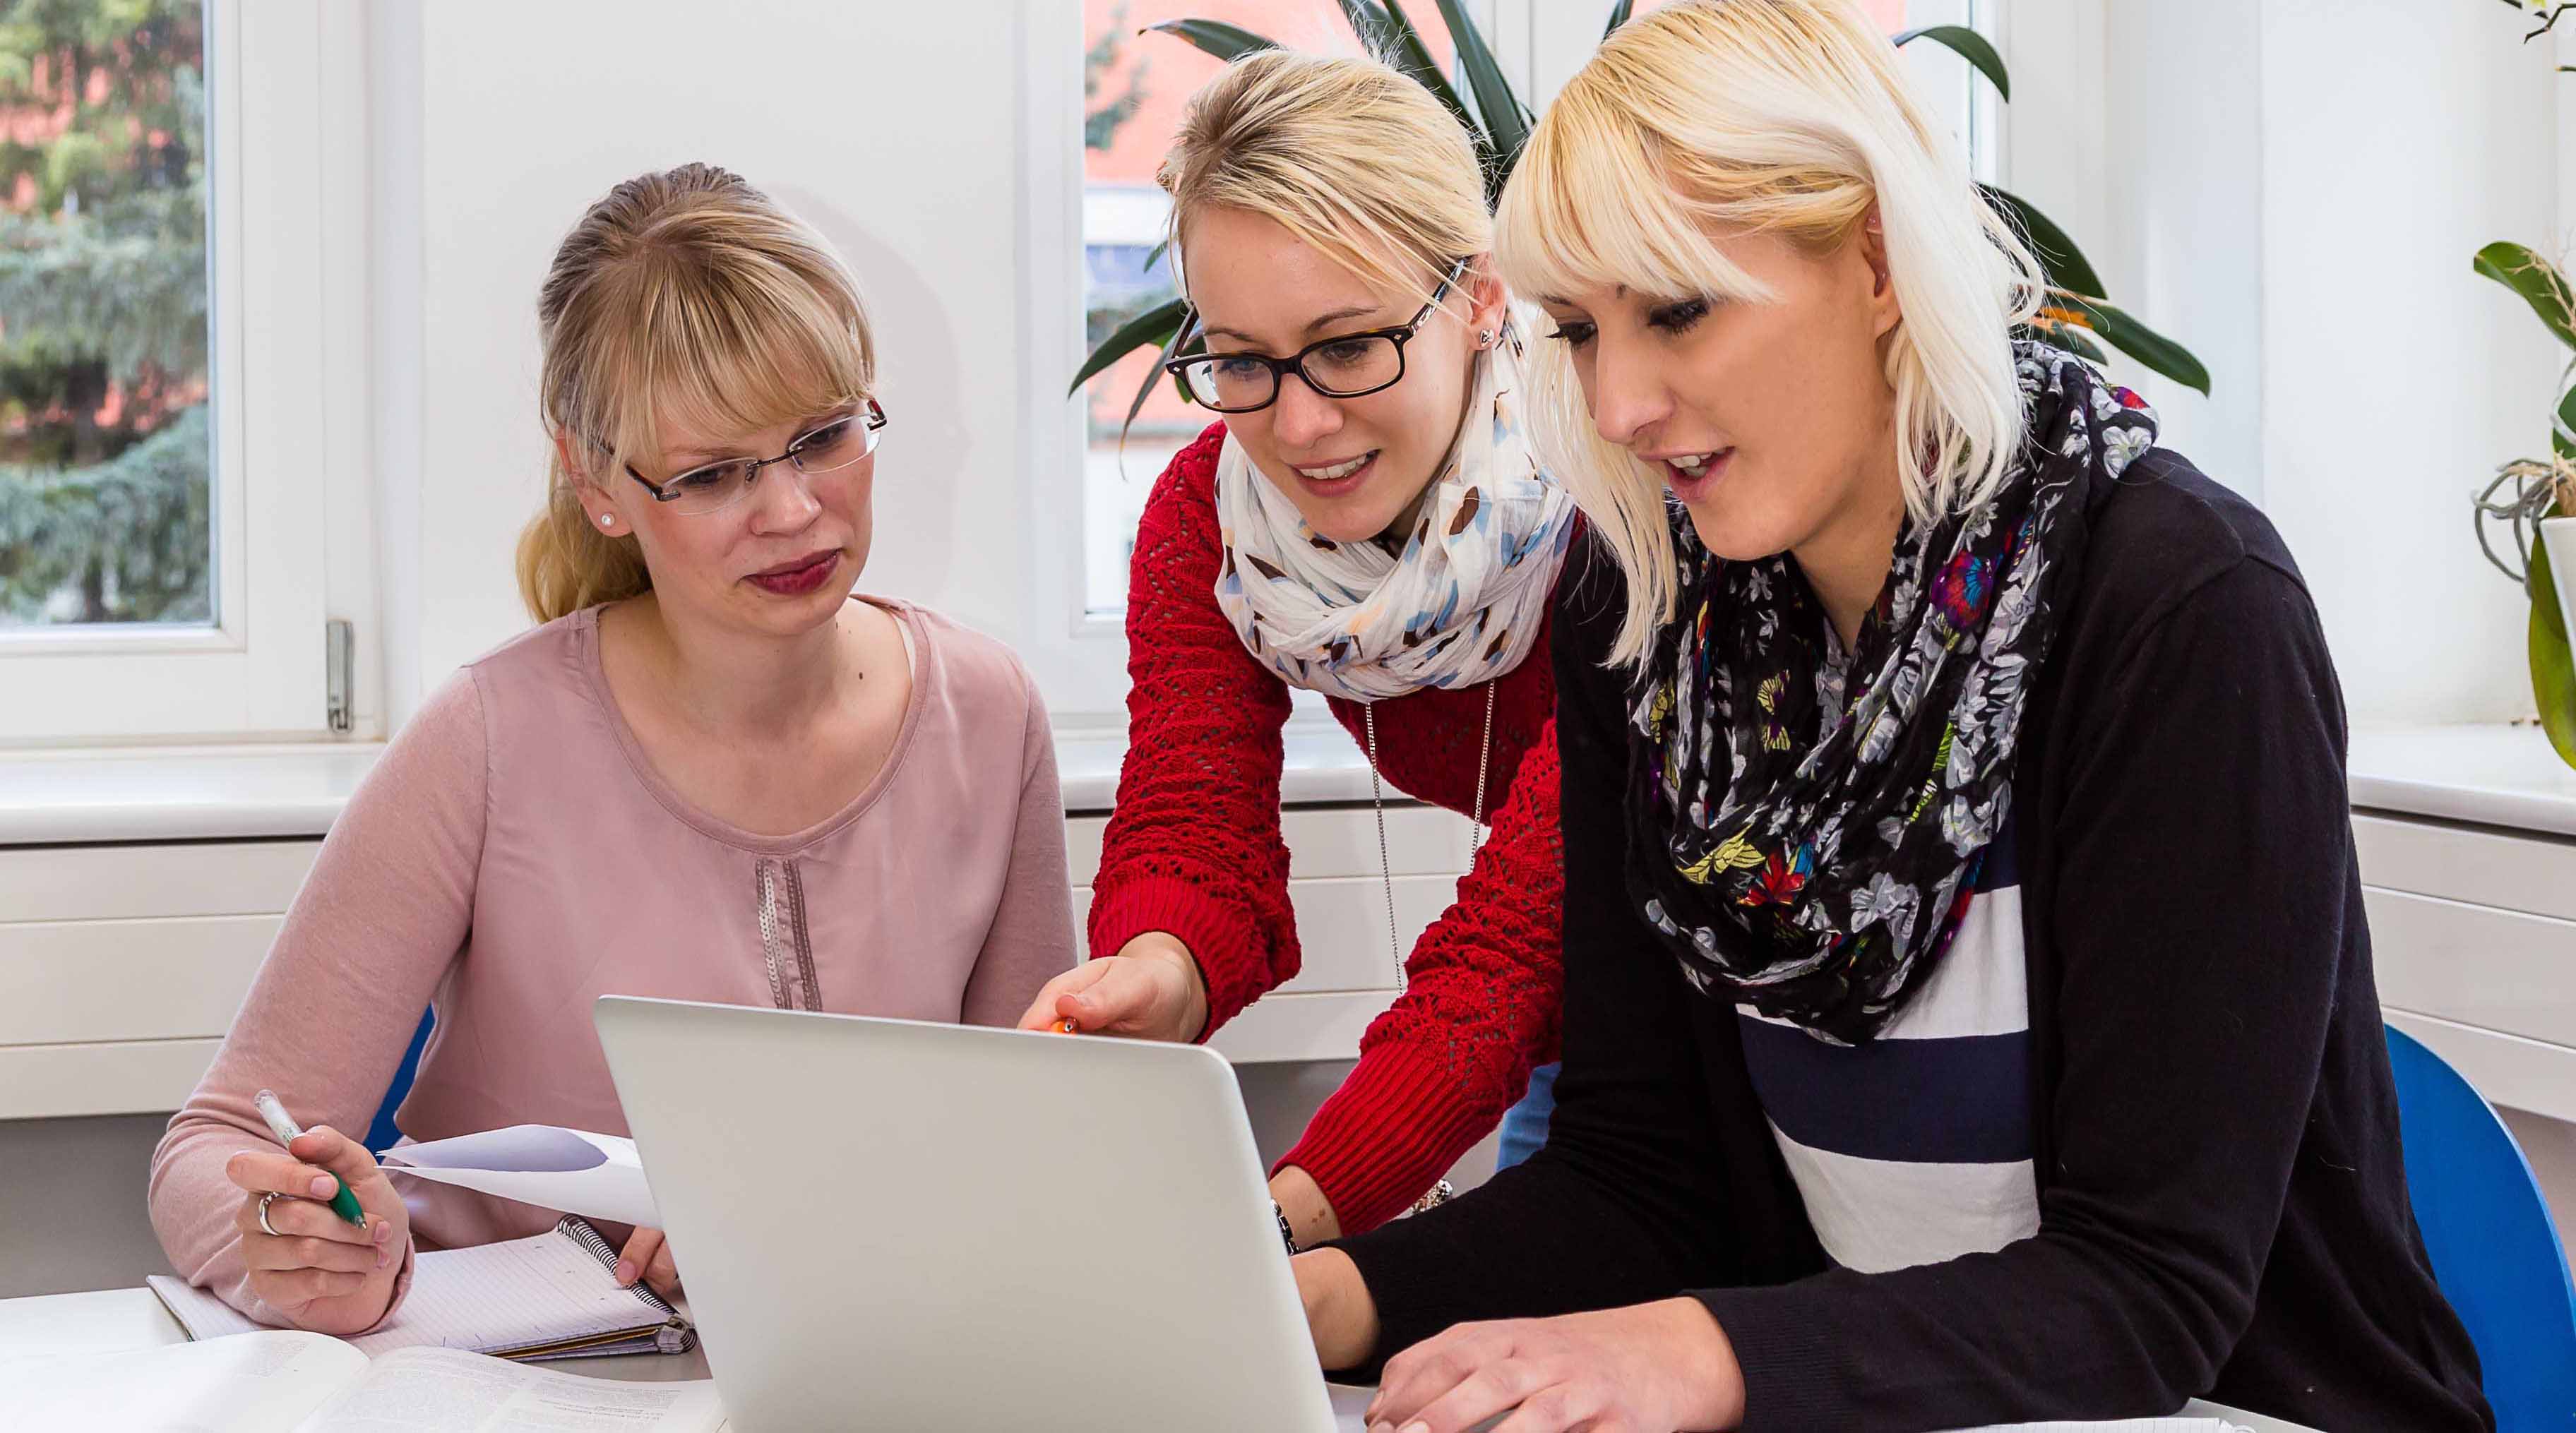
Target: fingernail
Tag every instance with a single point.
(382, 1255)
(383, 1232)
(323, 1186)
(626, 1271)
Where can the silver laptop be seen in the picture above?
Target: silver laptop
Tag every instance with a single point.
(889, 1224)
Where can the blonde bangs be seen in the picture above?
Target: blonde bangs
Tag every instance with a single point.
(1350, 155)
(1592, 207)
(736, 349)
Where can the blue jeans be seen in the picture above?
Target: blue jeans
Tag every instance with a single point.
(1525, 1124)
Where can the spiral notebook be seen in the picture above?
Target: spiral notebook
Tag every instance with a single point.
(551, 1295)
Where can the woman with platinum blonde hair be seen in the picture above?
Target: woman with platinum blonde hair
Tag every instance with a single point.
(1968, 1009)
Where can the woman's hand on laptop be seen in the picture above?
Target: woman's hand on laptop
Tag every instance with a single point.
(1340, 1314)
(1150, 990)
(647, 1256)
(1660, 1365)
(319, 1270)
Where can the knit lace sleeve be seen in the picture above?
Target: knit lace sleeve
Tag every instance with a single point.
(1193, 848)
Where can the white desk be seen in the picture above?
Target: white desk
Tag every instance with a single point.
(113, 1319)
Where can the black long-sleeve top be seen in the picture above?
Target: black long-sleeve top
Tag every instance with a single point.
(2223, 1208)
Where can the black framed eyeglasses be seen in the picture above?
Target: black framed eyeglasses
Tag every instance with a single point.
(828, 447)
(1349, 365)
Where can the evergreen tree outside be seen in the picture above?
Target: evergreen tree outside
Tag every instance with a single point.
(105, 443)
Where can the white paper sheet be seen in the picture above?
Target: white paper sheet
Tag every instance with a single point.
(594, 1175)
(257, 1383)
(288, 1379)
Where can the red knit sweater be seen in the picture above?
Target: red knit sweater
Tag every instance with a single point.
(1194, 849)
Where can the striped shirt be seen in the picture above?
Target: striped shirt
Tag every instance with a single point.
(1916, 1147)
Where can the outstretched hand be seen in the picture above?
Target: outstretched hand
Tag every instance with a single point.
(1150, 990)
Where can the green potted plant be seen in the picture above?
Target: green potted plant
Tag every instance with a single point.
(2075, 314)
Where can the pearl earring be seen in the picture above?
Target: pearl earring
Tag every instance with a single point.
(607, 519)
(1484, 338)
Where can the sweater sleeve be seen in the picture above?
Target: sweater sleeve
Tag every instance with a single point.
(1480, 1006)
(2201, 905)
(386, 908)
(1193, 847)
(1031, 939)
(1623, 1203)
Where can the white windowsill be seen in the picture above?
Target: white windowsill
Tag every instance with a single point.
(252, 792)
(2492, 775)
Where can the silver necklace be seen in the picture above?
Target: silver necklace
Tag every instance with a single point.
(1377, 799)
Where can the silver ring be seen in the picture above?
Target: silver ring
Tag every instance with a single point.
(265, 1226)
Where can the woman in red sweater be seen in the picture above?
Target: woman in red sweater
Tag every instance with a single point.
(1366, 523)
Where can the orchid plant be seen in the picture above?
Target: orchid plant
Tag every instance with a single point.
(2526, 491)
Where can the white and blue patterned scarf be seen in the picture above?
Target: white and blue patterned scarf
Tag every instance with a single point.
(1459, 606)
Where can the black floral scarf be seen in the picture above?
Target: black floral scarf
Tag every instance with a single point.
(1812, 856)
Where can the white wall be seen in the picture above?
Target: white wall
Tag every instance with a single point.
(2294, 188)
(896, 129)
(2398, 137)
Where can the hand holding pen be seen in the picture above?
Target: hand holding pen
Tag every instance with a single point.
(323, 1232)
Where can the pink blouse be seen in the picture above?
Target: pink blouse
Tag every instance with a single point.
(514, 856)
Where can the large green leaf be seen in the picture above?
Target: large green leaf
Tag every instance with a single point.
(2553, 671)
(1495, 102)
(2142, 343)
(1976, 49)
(1226, 42)
(1153, 326)
(1182, 337)
(1619, 12)
(2058, 257)
(2566, 424)
(2536, 279)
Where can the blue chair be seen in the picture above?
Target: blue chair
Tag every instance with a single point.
(2494, 1249)
(381, 1134)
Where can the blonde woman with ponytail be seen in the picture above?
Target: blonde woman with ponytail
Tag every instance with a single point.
(713, 772)
(1968, 1003)
(1365, 521)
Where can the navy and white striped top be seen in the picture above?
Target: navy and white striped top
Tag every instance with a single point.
(1916, 1148)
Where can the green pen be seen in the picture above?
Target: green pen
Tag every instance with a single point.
(283, 1125)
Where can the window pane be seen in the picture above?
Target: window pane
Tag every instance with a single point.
(1135, 87)
(105, 508)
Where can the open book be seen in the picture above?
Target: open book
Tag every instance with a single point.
(551, 1295)
(282, 1379)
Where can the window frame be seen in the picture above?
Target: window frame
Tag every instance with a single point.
(283, 102)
